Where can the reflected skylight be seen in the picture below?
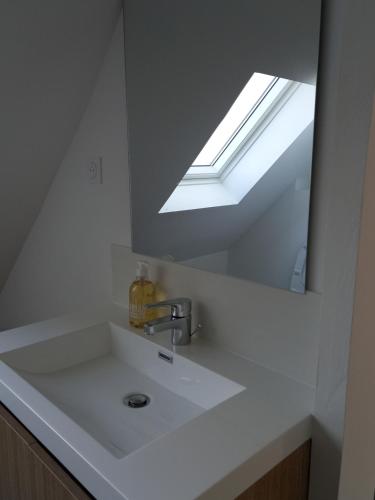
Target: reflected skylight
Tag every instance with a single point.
(265, 120)
(254, 90)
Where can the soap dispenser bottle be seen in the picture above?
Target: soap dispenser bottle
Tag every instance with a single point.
(141, 292)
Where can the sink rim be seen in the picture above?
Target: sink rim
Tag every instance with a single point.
(14, 374)
(187, 378)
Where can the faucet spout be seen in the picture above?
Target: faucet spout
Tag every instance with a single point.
(179, 321)
(161, 324)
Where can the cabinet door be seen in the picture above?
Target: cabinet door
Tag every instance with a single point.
(27, 470)
(289, 480)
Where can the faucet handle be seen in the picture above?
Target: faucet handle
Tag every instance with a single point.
(181, 306)
(197, 328)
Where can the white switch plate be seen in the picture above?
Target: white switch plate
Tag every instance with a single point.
(95, 171)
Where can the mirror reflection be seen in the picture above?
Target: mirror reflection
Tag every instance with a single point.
(220, 175)
(268, 111)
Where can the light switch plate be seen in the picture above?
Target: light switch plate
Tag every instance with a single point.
(95, 171)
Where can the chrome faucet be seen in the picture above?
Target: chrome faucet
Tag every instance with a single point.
(179, 321)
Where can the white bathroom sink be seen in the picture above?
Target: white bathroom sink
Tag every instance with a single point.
(89, 373)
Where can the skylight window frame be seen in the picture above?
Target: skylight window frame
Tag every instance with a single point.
(277, 94)
(288, 119)
(241, 124)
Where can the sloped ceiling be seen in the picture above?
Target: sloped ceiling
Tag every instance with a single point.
(50, 54)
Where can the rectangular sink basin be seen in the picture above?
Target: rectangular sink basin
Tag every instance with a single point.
(118, 386)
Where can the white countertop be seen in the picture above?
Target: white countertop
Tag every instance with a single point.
(214, 456)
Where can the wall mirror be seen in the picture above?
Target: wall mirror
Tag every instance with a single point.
(221, 102)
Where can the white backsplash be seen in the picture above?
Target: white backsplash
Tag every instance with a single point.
(275, 328)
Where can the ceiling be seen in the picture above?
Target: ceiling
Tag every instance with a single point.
(50, 53)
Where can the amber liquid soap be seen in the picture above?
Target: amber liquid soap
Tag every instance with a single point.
(141, 292)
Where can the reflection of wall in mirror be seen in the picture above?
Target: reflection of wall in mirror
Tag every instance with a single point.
(215, 262)
(267, 251)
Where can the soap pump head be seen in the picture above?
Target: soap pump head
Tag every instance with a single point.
(142, 270)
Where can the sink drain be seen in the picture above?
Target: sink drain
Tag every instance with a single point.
(136, 400)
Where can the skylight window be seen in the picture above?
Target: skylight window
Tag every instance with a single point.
(254, 90)
(266, 118)
(261, 94)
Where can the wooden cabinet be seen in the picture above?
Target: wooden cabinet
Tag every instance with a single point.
(27, 470)
(289, 480)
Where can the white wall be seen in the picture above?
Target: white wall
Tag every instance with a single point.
(358, 468)
(267, 252)
(275, 328)
(347, 78)
(51, 53)
(214, 262)
(65, 262)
